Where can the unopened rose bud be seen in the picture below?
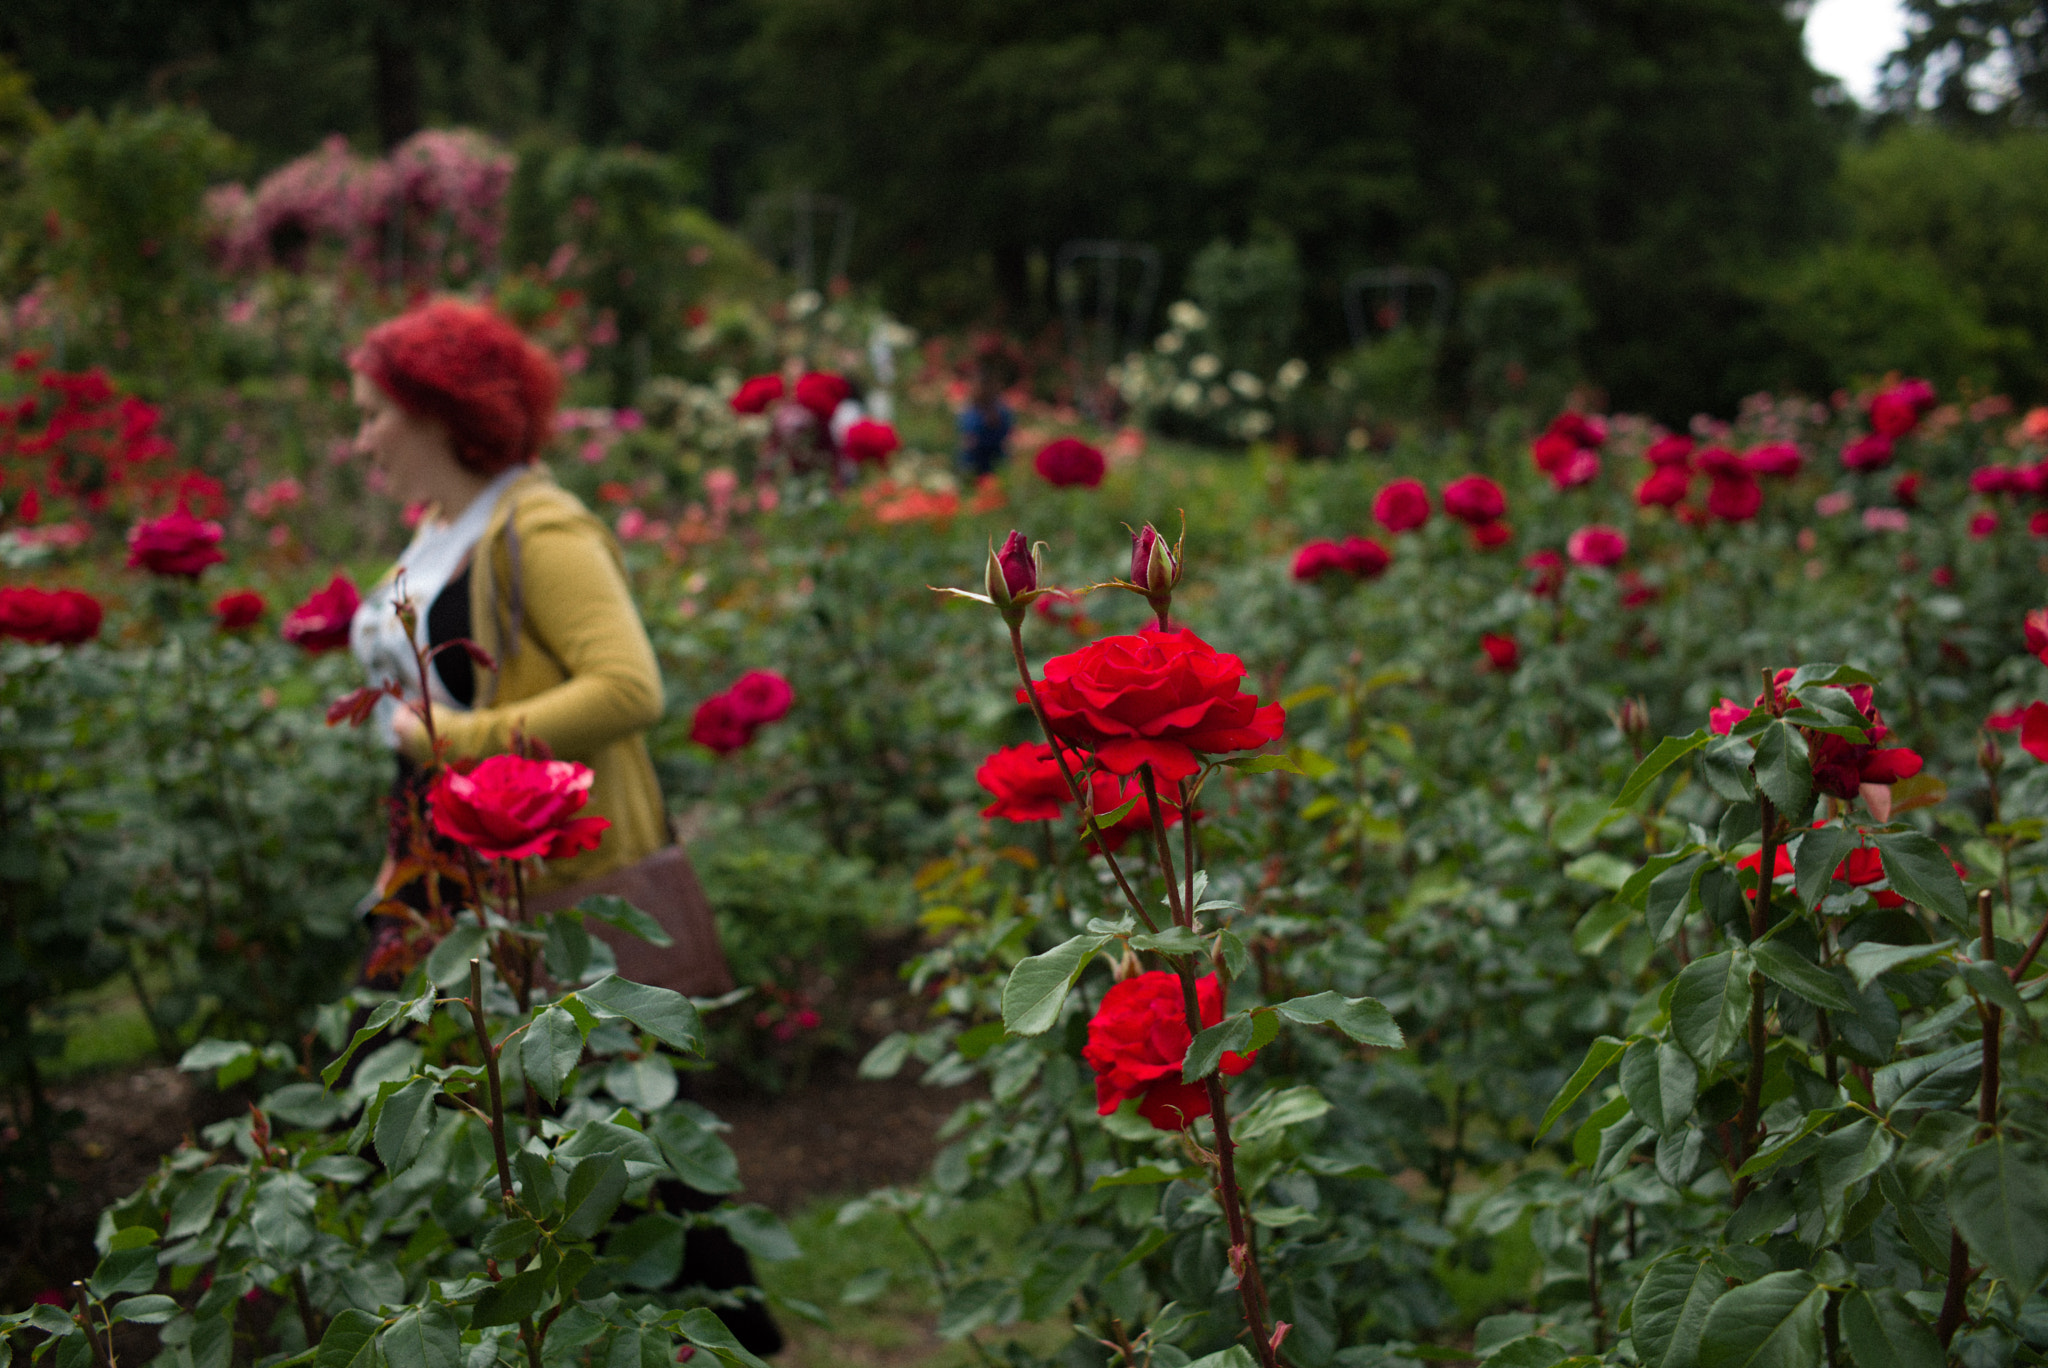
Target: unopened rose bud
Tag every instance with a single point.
(1019, 565)
(1632, 720)
(1154, 570)
(1141, 553)
(1990, 755)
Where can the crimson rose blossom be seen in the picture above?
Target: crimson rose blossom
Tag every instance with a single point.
(1361, 557)
(1669, 451)
(1025, 782)
(1735, 498)
(1138, 1040)
(1474, 500)
(41, 617)
(1873, 452)
(1503, 653)
(243, 608)
(760, 696)
(717, 727)
(1841, 766)
(2034, 730)
(512, 808)
(1546, 575)
(1895, 412)
(757, 394)
(2036, 627)
(1982, 525)
(1157, 697)
(1664, 487)
(822, 393)
(1596, 544)
(869, 441)
(1402, 506)
(1780, 459)
(1724, 718)
(176, 544)
(321, 623)
(1068, 461)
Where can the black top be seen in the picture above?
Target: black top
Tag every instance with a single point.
(448, 620)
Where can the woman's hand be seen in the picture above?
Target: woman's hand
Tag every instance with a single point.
(412, 735)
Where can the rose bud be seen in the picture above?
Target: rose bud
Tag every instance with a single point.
(1011, 578)
(1019, 562)
(1990, 755)
(1153, 570)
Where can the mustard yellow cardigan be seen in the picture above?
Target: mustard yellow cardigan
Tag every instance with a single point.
(548, 599)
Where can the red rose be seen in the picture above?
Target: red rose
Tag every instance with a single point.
(64, 617)
(1873, 452)
(1841, 766)
(1724, 717)
(1546, 572)
(1635, 592)
(2037, 526)
(717, 726)
(1364, 557)
(1580, 429)
(243, 608)
(1983, 525)
(1317, 559)
(2034, 731)
(1487, 536)
(1069, 461)
(1719, 463)
(512, 808)
(1581, 467)
(1994, 479)
(1864, 866)
(1596, 544)
(1754, 862)
(1735, 498)
(822, 393)
(176, 544)
(868, 441)
(1019, 566)
(1669, 451)
(1906, 489)
(1109, 795)
(1664, 486)
(760, 696)
(757, 394)
(1474, 499)
(1503, 653)
(1157, 697)
(2006, 721)
(1026, 784)
(321, 623)
(1402, 506)
(1552, 450)
(1774, 458)
(1895, 412)
(2036, 627)
(1138, 1040)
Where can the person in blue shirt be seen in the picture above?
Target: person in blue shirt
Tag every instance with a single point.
(986, 421)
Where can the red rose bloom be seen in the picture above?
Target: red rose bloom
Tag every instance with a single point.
(1669, 451)
(1873, 452)
(1724, 717)
(1402, 506)
(2036, 628)
(822, 393)
(512, 808)
(1546, 572)
(1317, 559)
(1841, 766)
(757, 394)
(1158, 698)
(1865, 866)
(64, 617)
(1068, 461)
(2037, 525)
(1364, 557)
(1581, 467)
(760, 696)
(1580, 429)
(1735, 498)
(1551, 450)
(2034, 731)
(1663, 487)
(1474, 500)
(1138, 1040)
(321, 623)
(717, 727)
(1026, 784)
(1906, 489)
(1897, 411)
(1774, 458)
(176, 544)
(1019, 566)
(1488, 536)
(1982, 525)
(1596, 544)
(1994, 479)
(868, 441)
(1503, 653)
(241, 609)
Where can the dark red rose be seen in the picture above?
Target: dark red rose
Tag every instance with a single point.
(1068, 461)
(239, 610)
(1664, 486)
(1635, 591)
(2037, 525)
(1983, 525)
(1906, 489)
(1552, 450)
(1581, 467)
(717, 726)
(1474, 500)
(760, 696)
(1864, 866)
(1138, 1041)
(1580, 429)
(1719, 463)
(1994, 479)
(1841, 766)
(1774, 458)
(1596, 544)
(1157, 697)
(1363, 557)
(1873, 452)
(2036, 627)
(1402, 506)
(1020, 567)
(869, 441)
(1546, 572)
(1895, 412)
(176, 544)
(758, 393)
(1670, 451)
(1026, 784)
(1503, 653)
(63, 617)
(1735, 498)
(822, 393)
(321, 623)
(2034, 731)
(1317, 559)
(512, 808)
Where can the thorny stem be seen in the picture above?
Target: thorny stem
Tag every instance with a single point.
(1960, 1277)
(309, 1319)
(1183, 912)
(490, 1053)
(2033, 948)
(1748, 1123)
(99, 1355)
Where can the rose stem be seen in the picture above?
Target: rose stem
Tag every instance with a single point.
(1746, 1122)
(497, 1125)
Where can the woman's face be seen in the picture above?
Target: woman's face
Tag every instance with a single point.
(413, 454)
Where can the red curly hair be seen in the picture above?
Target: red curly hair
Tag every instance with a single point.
(468, 367)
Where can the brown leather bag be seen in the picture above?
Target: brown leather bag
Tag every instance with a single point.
(665, 887)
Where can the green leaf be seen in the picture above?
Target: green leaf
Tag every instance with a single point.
(1205, 1051)
(281, 1217)
(615, 911)
(1783, 770)
(759, 1232)
(706, 1331)
(1297, 760)
(568, 946)
(1172, 940)
(1672, 893)
(1773, 1322)
(1725, 766)
(1827, 674)
(1787, 968)
(1998, 1199)
(1366, 1020)
(1236, 1356)
(153, 1309)
(1946, 1079)
(1990, 983)
(405, 1123)
(124, 1270)
(1660, 1082)
(1638, 886)
(511, 1240)
(1670, 1307)
(1579, 819)
(665, 1015)
(510, 1301)
(1668, 752)
(449, 963)
(1866, 961)
(1919, 870)
(1820, 851)
(350, 1341)
(549, 1051)
(1037, 987)
(1595, 931)
(1710, 1006)
(595, 1186)
(1601, 870)
(1883, 1331)
(379, 1018)
(698, 1156)
(424, 1337)
(538, 1191)
(1143, 1175)
(1604, 1051)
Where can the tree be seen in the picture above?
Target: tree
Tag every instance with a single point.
(1974, 63)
